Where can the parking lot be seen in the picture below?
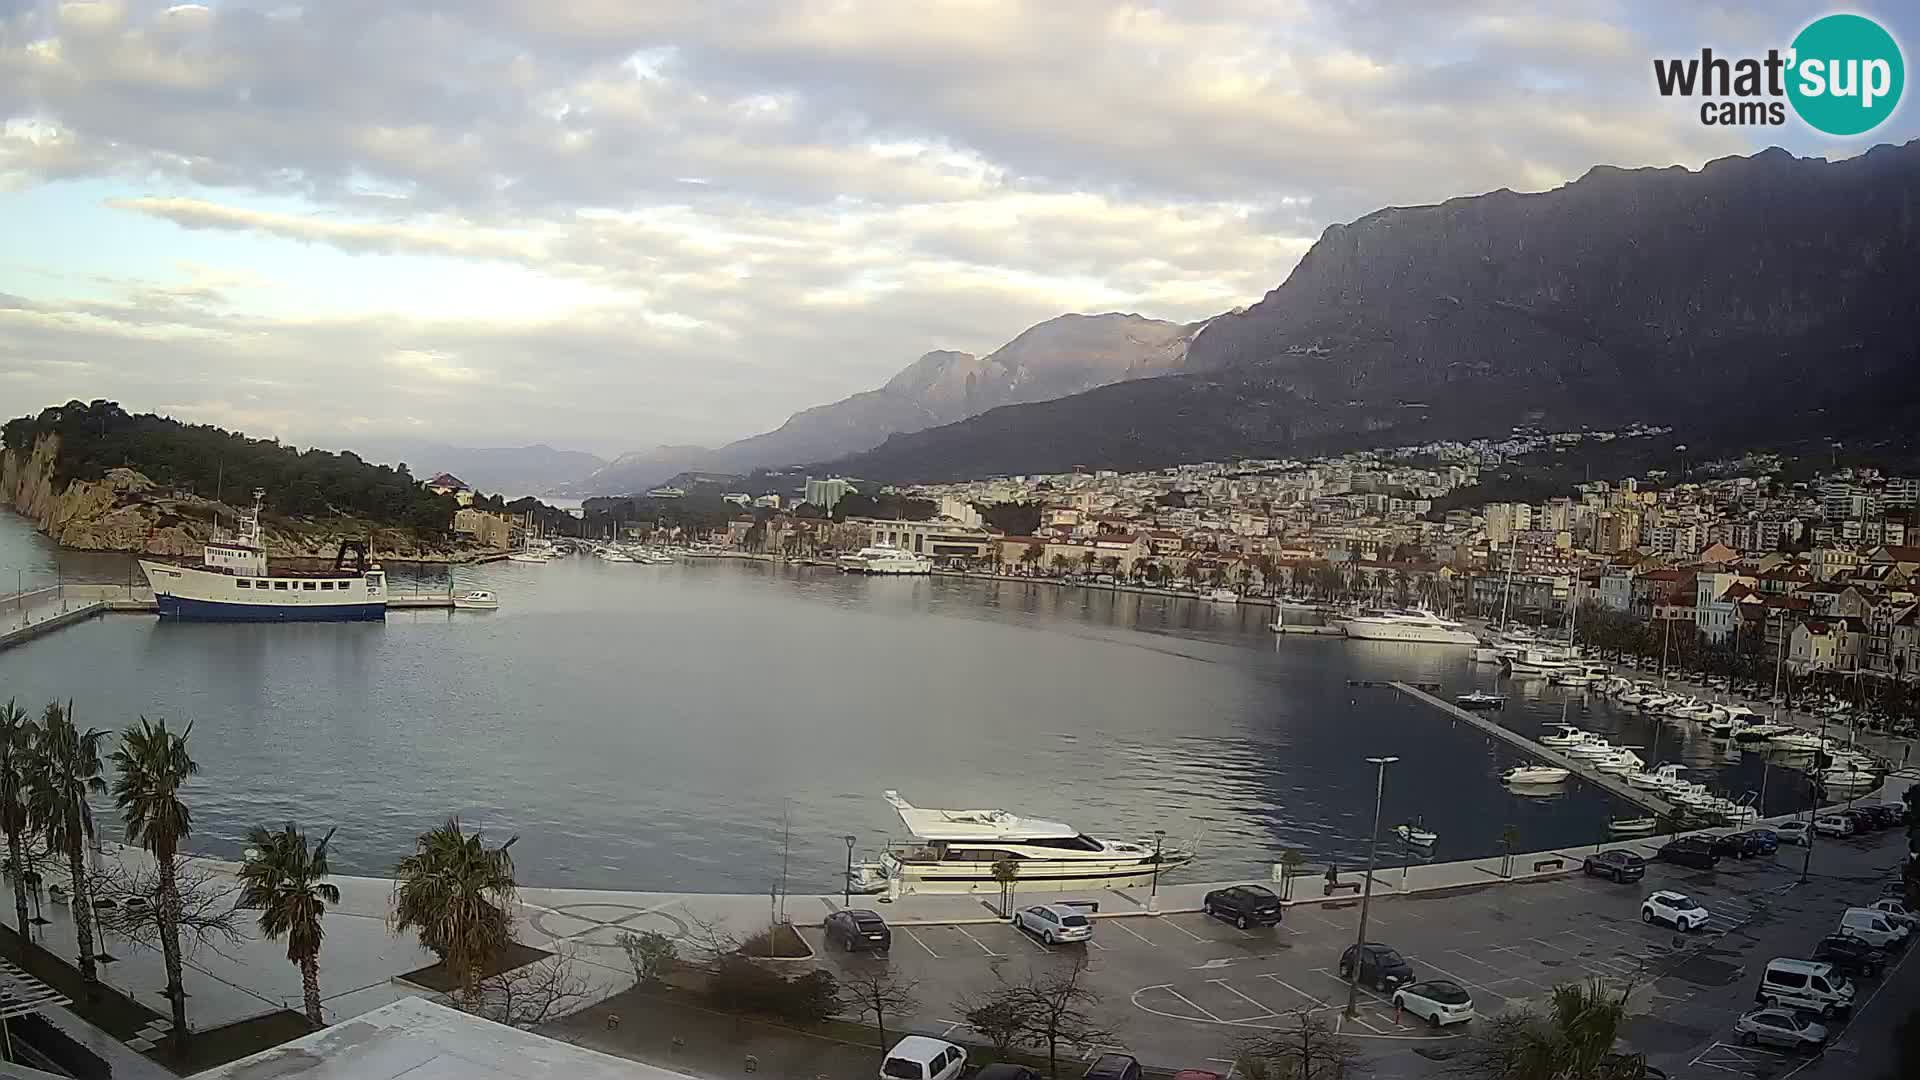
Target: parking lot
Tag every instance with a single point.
(1182, 989)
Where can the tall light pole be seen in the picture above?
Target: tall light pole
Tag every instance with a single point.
(1813, 812)
(1366, 886)
(1153, 890)
(846, 891)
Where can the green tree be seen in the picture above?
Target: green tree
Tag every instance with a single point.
(1006, 872)
(1088, 558)
(1572, 1041)
(63, 771)
(458, 894)
(1033, 554)
(287, 883)
(1061, 562)
(16, 750)
(152, 762)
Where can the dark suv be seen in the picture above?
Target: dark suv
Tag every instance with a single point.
(1380, 966)
(1739, 845)
(858, 930)
(1615, 866)
(1689, 851)
(1243, 906)
(1850, 955)
(1767, 840)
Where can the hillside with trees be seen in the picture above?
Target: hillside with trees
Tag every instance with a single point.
(213, 463)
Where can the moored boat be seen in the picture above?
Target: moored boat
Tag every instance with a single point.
(1639, 826)
(884, 559)
(1480, 699)
(1414, 834)
(235, 583)
(1413, 626)
(1535, 774)
(476, 600)
(954, 851)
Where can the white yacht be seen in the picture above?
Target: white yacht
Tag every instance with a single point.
(884, 559)
(1544, 660)
(1417, 626)
(1535, 774)
(1224, 596)
(954, 851)
(476, 600)
(1565, 735)
(1622, 760)
(1663, 778)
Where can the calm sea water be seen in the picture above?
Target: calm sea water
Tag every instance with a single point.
(670, 727)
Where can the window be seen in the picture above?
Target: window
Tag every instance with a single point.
(309, 586)
(244, 583)
(326, 586)
(280, 586)
(1791, 979)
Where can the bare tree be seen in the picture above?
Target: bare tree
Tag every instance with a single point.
(879, 993)
(650, 952)
(529, 996)
(995, 1017)
(1056, 1008)
(709, 941)
(208, 902)
(1309, 1051)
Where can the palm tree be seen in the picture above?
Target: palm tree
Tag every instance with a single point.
(287, 884)
(1060, 562)
(64, 771)
(1573, 1041)
(456, 892)
(1032, 554)
(152, 763)
(16, 749)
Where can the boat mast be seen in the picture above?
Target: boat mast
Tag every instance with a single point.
(1664, 639)
(1506, 590)
(1778, 663)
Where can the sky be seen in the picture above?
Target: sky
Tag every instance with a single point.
(612, 224)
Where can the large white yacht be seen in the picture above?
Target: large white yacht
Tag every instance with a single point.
(1417, 625)
(954, 851)
(883, 559)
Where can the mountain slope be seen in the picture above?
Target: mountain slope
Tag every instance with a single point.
(1760, 293)
(509, 470)
(1062, 356)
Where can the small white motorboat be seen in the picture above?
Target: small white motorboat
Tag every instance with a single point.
(1565, 735)
(1224, 596)
(1639, 826)
(1535, 774)
(1415, 835)
(476, 600)
(1480, 699)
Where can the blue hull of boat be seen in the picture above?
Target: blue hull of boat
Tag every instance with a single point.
(174, 607)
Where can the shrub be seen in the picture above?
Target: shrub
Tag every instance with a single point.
(652, 954)
(741, 985)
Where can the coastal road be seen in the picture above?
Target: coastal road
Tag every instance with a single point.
(1183, 990)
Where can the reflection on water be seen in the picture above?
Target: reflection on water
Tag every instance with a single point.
(652, 726)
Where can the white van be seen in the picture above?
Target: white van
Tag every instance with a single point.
(917, 1057)
(1876, 928)
(1805, 984)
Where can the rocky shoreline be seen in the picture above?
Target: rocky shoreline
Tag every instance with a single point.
(126, 512)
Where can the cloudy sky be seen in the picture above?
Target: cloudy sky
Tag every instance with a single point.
(609, 224)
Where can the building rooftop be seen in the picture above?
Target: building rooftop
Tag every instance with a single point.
(420, 1040)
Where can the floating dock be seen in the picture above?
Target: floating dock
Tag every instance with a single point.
(1319, 631)
(1612, 784)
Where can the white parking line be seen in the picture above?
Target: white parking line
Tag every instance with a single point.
(1193, 1005)
(1027, 937)
(1458, 979)
(1120, 924)
(922, 944)
(977, 941)
(1297, 990)
(1266, 1011)
(1471, 960)
(1186, 931)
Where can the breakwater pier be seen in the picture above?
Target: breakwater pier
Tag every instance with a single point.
(1612, 784)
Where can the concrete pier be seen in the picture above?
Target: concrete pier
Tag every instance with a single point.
(19, 635)
(1612, 784)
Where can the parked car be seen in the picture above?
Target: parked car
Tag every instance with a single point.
(1876, 928)
(1794, 832)
(1380, 966)
(918, 1057)
(1677, 910)
(858, 930)
(1767, 840)
(1832, 825)
(1850, 956)
(1615, 866)
(1001, 1070)
(1738, 845)
(1781, 1027)
(1054, 923)
(1897, 910)
(1897, 811)
(1807, 985)
(1689, 851)
(1114, 1067)
(1437, 1001)
(1243, 906)
(1863, 822)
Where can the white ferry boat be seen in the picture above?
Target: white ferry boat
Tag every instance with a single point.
(1417, 626)
(954, 851)
(883, 559)
(235, 584)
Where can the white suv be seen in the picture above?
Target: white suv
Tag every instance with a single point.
(1674, 909)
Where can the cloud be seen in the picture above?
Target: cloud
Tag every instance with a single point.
(621, 224)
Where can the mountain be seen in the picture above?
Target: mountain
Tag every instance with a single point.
(510, 471)
(1062, 356)
(1767, 294)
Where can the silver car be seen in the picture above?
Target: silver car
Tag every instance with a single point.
(1054, 923)
(1780, 1027)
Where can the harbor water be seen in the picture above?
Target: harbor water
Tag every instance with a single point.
(696, 726)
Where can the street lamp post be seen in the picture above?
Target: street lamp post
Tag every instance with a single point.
(846, 891)
(1813, 812)
(1366, 885)
(1153, 890)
